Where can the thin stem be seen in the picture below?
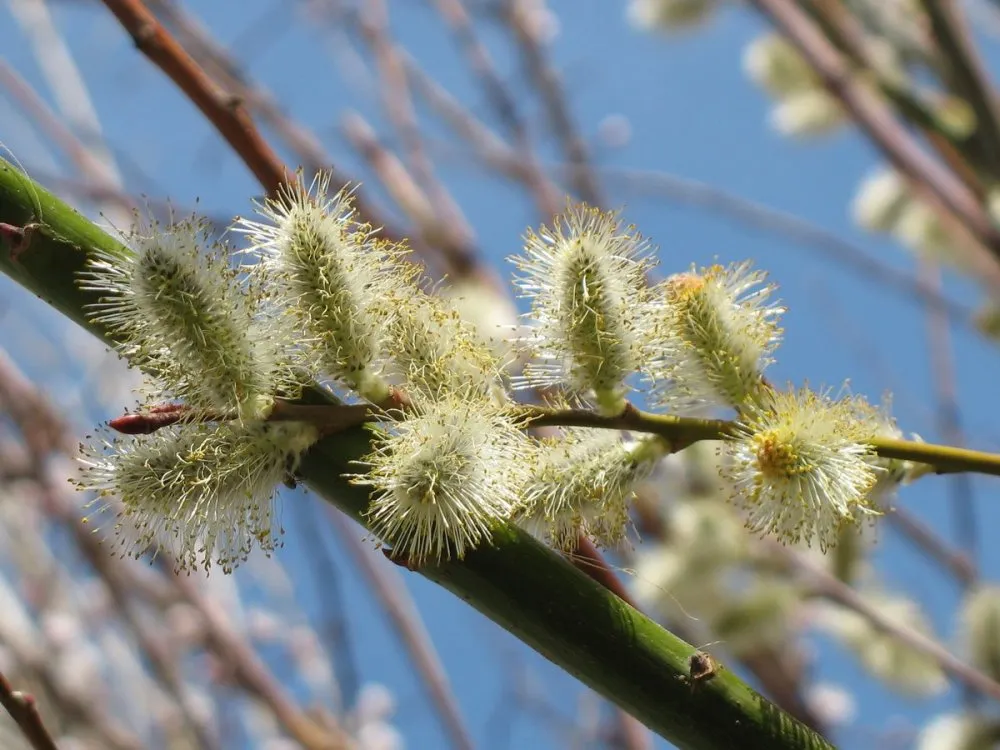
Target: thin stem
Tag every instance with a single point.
(938, 185)
(24, 711)
(835, 590)
(683, 431)
(679, 432)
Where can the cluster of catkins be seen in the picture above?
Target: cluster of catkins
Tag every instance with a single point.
(322, 299)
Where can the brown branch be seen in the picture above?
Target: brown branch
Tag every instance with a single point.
(935, 183)
(373, 22)
(251, 674)
(227, 71)
(967, 75)
(52, 127)
(24, 711)
(547, 196)
(398, 182)
(955, 562)
(45, 432)
(226, 112)
(790, 227)
(835, 590)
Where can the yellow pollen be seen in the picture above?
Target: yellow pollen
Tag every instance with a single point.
(776, 457)
(684, 286)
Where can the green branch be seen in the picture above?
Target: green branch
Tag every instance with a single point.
(517, 582)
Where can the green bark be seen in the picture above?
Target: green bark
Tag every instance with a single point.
(517, 582)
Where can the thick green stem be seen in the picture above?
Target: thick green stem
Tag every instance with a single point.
(517, 582)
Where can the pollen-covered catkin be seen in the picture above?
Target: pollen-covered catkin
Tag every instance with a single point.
(180, 312)
(582, 483)
(799, 465)
(444, 477)
(330, 279)
(591, 320)
(435, 354)
(204, 492)
(720, 330)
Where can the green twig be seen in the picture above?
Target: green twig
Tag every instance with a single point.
(683, 431)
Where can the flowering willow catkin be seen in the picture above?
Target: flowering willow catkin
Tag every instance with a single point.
(179, 311)
(592, 322)
(582, 483)
(332, 278)
(434, 353)
(203, 492)
(444, 477)
(720, 332)
(799, 466)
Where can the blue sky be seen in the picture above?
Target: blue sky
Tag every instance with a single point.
(692, 113)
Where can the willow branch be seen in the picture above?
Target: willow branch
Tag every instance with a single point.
(516, 581)
(24, 711)
(545, 79)
(226, 112)
(683, 431)
(835, 590)
(679, 432)
(967, 75)
(877, 121)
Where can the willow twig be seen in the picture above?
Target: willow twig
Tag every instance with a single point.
(225, 111)
(24, 711)
(876, 120)
(680, 432)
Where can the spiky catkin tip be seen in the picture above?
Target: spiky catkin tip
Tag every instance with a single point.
(591, 318)
(332, 276)
(719, 332)
(180, 312)
(203, 492)
(800, 467)
(443, 478)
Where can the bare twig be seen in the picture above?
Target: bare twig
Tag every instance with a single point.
(835, 590)
(547, 196)
(24, 711)
(967, 75)
(52, 126)
(786, 225)
(456, 235)
(933, 182)
(250, 672)
(957, 563)
(225, 111)
(66, 84)
(227, 71)
(402, 187)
